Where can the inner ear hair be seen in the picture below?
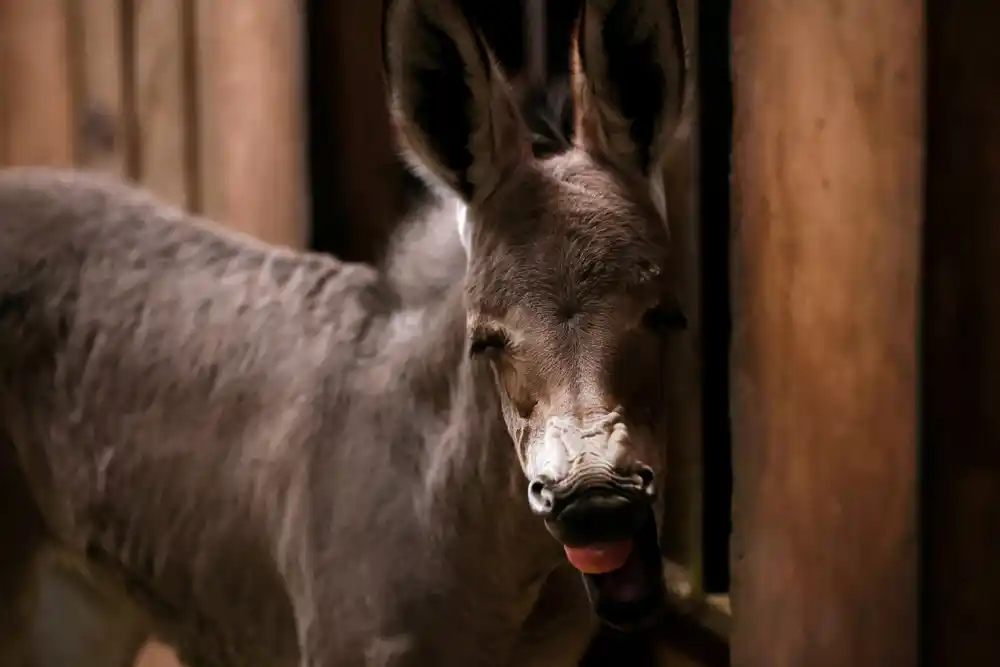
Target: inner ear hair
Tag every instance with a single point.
(631, 80)
(451, 108)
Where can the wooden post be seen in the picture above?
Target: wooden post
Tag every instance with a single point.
(163, 146)
(828, 135)
(961, 427)
(682, 533)
(36, 101)
(102, 114)
(251, 117)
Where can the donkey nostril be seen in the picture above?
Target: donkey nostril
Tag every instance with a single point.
(648, 479)
(540, 498)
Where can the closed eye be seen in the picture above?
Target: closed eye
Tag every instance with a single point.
(488, 342)
(664, 318)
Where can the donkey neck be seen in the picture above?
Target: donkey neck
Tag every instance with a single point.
(470, 489)
(474, 458)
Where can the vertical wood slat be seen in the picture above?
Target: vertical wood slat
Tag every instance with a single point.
(35, 91)
(5, 85)
(827, 160)
(961, 341)
(160, 107)
(251, 117)
(102, 114)
(682, 534)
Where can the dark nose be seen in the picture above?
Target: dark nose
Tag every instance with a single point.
(600, 511)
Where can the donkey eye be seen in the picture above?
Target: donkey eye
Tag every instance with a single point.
(664, 318)
(490, 342)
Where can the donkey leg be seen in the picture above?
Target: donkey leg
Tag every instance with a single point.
(560, 627)
(22, 533)
(17, 598)
(78, 624)
(49, 618)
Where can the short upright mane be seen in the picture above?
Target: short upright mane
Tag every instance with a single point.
(548, 112)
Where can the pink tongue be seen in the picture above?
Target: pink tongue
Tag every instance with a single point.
(600, 558)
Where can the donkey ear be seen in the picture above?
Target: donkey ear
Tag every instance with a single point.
(455, 117)
(633, 89)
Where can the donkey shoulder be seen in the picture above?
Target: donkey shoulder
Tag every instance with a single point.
(73, 236)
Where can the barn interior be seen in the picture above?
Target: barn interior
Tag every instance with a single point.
(834, 453)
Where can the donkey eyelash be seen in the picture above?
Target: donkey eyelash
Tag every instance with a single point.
(487, 342)
(664, 318)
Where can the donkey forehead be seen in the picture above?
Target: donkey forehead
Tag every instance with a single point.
(567, 199)
(568, 230)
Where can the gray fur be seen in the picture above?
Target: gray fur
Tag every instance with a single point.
(283, 459)
(181, 411)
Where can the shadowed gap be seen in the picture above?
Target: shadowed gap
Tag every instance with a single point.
(715, 122)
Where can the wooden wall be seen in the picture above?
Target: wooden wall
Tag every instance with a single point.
(867, 333)
(202, 101)
(827, 164)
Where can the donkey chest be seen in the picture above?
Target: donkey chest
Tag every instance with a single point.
(560, 626)
(555, 633)
(562, 644)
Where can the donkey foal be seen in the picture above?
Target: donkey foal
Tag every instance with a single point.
(280, 466)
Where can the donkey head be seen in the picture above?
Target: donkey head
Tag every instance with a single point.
(567, 291)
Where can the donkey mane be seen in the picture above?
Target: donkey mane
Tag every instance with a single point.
(548, 113)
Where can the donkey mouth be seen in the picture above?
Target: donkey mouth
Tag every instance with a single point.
(624, 579)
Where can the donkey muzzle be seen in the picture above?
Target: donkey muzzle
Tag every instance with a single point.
(605, 515)
(607, 509)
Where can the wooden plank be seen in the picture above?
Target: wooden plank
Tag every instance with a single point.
(251, 117)
(3, 115)
(102, 140)
(961, 434)
(35, 83)
(828, 133)
(682, 532)
(5, 92)
(159, 98)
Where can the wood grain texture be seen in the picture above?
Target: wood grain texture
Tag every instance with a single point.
(101, 112)
(161, 107)
(35, 83)
(251, 117)
(682, 534)
(828, 139)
